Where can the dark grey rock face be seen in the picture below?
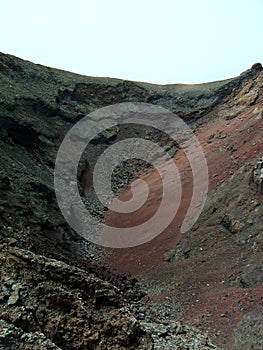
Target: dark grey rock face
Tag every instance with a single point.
(47, 304)
(249, 331)
(258, 175)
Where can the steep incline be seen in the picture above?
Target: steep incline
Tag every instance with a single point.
(213, 275)
(38, 105)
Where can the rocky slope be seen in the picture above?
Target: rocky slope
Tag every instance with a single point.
(54, 291)
(47, 304)
(212, 275)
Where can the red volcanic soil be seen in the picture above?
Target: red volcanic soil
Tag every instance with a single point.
(243, 133)
(198, 289)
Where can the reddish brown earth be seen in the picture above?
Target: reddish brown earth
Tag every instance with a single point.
(199, 289)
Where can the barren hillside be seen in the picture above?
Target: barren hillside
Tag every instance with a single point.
(59, 291)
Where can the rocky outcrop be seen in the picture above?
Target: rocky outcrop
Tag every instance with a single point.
(47, 304)
(258, 175)
(233, 208)
(249, 331)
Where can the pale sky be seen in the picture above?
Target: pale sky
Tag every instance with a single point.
(158, 41)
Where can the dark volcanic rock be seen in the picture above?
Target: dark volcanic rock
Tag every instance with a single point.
(249, 331)
(258, 175)
(47, 304)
